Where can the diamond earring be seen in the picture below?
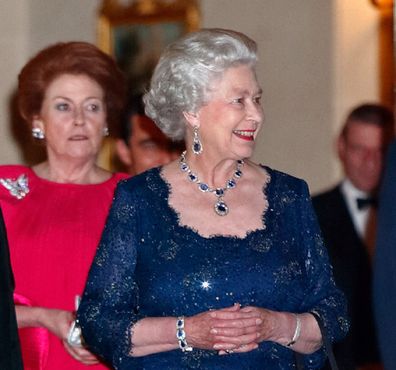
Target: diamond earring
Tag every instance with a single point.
(197, 145)
(38, 133)
(106, 131)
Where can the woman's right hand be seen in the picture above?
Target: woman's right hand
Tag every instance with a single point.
(242, 327)
(56, 321)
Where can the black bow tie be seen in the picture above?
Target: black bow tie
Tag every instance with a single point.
(363, 203)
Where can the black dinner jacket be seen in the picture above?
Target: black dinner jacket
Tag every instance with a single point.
(10, 353)
(353, 274)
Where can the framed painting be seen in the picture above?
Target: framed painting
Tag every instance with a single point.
(135, 32)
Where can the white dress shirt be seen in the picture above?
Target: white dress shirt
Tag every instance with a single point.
(359, 216)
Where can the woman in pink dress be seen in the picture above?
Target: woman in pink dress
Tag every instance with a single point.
(70, 94)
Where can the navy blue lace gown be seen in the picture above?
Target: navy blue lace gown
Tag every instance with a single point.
(148, 264)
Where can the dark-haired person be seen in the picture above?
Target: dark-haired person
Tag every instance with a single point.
(70, 94)
(346, 215)
(211, 261)
(142, 144)
(10, 352)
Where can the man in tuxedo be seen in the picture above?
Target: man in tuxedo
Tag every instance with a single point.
(385, 265)
(142, 145)
(346, 215)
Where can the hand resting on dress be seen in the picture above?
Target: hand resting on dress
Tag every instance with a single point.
(233, 329)
(58, 323)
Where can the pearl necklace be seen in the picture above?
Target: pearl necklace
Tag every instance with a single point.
(220, 207)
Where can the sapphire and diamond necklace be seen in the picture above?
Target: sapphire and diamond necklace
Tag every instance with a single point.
(220, 207)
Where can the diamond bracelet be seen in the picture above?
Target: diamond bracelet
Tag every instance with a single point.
(181, 335)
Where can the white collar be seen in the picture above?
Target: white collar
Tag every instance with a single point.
(350, 191)
(359, 216)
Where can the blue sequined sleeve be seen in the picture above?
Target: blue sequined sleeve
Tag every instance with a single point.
(108, 309)
(324, 297)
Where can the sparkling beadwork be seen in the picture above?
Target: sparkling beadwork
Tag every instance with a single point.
(202, 255)
(203, 187)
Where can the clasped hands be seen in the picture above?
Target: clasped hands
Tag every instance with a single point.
(231, 329)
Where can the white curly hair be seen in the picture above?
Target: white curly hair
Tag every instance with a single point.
(187, 71)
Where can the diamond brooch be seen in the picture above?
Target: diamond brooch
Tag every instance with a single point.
(18, 188)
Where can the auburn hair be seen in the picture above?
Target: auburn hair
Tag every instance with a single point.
(75, 58)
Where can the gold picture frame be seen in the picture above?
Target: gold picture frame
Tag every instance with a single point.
(135, 32)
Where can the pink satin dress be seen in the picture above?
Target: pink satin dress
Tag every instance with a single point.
(53, 232)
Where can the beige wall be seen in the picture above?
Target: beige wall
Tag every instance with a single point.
(58, 20)
(355, 58)
(25, 27)
(317, 59)
(13, 36)
(295, 71)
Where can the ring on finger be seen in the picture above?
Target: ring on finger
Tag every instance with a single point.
(229, 351)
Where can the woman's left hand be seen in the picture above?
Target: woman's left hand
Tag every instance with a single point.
(274, 326)
(239, 332)
(272, 323)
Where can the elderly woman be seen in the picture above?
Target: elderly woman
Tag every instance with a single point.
(212, 261)
(55, 211)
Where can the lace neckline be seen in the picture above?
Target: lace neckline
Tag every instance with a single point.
(166, 190)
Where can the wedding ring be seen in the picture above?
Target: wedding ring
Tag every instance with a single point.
(229, 351)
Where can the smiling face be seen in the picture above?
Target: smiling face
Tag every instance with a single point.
(73, 117)
(230, 122)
